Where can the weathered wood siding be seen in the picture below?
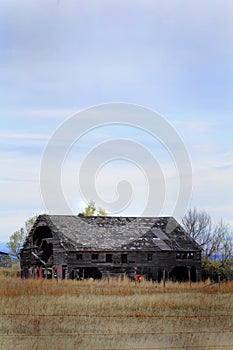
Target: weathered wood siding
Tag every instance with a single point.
(47, 252)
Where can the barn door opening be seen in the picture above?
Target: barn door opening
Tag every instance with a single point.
(92, 272)
(179, 274)
(193, 274)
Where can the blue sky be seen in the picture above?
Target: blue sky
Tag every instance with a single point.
(58, 57)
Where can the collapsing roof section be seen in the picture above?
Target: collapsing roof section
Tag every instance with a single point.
(117, 233)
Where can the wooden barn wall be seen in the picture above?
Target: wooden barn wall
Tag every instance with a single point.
(136, 261)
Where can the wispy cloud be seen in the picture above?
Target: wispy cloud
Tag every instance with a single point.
(15, 180)
(174, 57)
(15, 136)
(225, 166)
(197, 125)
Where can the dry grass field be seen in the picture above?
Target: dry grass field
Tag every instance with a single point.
(40, 314)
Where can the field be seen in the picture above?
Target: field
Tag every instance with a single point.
(40, 314)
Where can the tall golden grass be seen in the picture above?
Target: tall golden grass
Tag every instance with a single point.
(40, 314)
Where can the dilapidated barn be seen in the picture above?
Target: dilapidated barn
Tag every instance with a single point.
(78, 247)
(5, 260)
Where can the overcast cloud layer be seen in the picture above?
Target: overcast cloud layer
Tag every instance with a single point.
(58, 57)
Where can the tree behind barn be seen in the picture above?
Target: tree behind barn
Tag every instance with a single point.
(216, 241)
(17, 238)
(92, 210)
(198, 225)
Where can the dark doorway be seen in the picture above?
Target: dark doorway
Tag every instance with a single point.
(92, 272)
(64, 272)
(193, 274)
(179, 274)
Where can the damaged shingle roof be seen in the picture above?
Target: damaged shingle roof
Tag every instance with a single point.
(112, 233)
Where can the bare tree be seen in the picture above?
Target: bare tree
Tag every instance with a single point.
(199, 226)
(224, 234)
(215, 240)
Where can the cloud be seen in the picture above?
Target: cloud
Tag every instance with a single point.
(11, 135)
(228, 166)
(176, 55)
(58, 114)
(61, 56)
(197, 124)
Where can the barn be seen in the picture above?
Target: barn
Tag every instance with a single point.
(5, 260)
(79, 247)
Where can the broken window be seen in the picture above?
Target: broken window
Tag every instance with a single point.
(189, 255)
(94, 256)
(149, 256)
(124, 258)
(108, 258)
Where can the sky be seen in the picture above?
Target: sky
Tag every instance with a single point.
(60, 57)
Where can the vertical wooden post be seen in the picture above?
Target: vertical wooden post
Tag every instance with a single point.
(135, 276)
(189, 275)
(40, 272)
(164, 278)
(219, 282)
(197, 276)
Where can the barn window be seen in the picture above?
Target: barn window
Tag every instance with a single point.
(189, 255)
(94, 256)
(124, 258)
(108, 258)
(79, 256)
(149, 256)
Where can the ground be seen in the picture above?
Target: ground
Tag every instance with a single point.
(40, 314)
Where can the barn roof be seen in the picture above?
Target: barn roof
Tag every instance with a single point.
(3, 253)
(112, 233)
